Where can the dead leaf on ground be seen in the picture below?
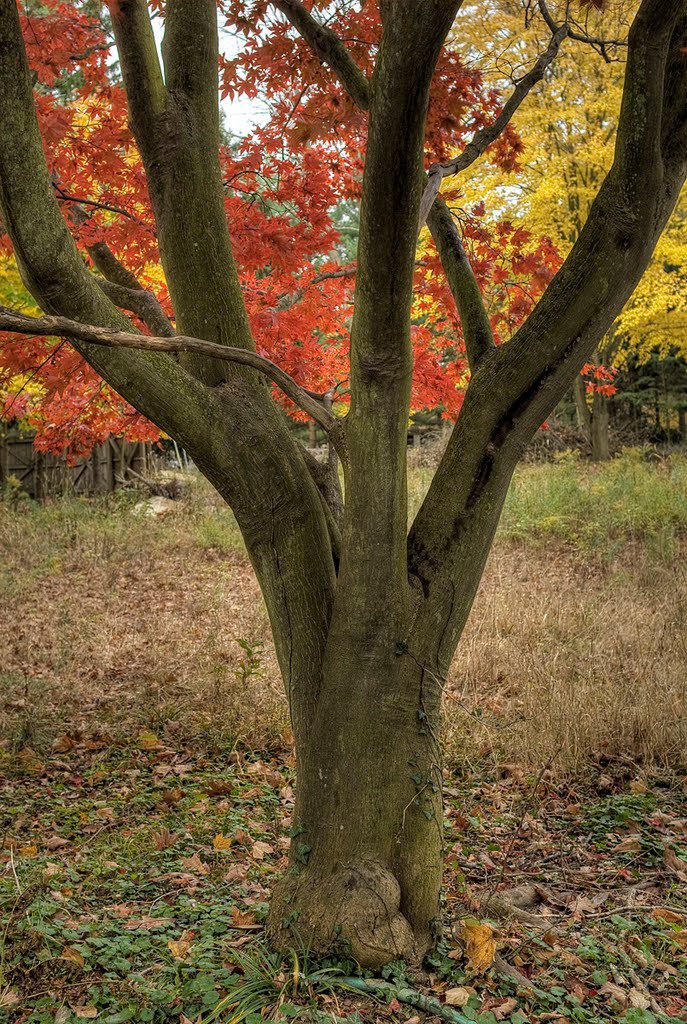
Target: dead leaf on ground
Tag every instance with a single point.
(669, 916)
(220, 787)
(261, 850)
(164, 839)
(640, 1000)
(479, 942)
(63, 744)
(146, 922)
(630, 845)
(242, 920)
(614, 992)
(89, 1011)
(674, 864)
(458, 996)
(195, 864)
(180, 947)
(222, 842)
(72, 955)
(504, 1010)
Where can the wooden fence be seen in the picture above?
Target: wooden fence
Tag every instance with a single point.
(42, 475)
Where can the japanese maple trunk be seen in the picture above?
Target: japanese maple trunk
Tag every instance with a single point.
(365, 625)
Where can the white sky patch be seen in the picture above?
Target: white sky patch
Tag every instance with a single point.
(242, 115)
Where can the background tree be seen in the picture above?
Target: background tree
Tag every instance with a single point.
(365, 614)
(568, 128)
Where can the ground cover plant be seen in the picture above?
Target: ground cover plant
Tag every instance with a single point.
(142, 832)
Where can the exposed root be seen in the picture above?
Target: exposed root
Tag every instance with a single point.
(517, 903)
(356, 909)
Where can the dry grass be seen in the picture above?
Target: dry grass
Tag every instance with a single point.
(118, 624)
(563, 659)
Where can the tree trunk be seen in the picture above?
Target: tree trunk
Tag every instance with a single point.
(582, 410)
(365, 864)
(599, 428)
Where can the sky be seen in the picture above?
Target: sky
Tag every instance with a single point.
(242, 114)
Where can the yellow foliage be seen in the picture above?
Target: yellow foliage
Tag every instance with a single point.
(567, 125)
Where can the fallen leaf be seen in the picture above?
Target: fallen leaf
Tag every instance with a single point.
(55, 842)
(261, 850)
(504, 1010)
(8, 997)
(146, 922)
(576, 988)
(638, 999)
(220, 787)
(62, 744)
(479, 941)
(674, 864)
(89, 1011)
(236, 873)
(72, 955)
(28, 851)
(171, 796)
(149, 741)
(669, 916)
(179, 947)
(241, 920)
(629, 845)
(457, 996)
(614, 992)
(222, 842)
(164, 839)
(638, 786)
(680, 937)
(195, 864)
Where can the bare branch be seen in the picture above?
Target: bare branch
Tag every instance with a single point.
(83, 201)
(581, 37)
(289, 299)
(13, 321)
(328, 47)
(122, 286)
(140, 301)
(477, 332)
(485, 136)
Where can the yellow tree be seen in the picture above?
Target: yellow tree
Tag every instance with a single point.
(568, 127)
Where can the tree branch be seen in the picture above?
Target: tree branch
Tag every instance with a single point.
(485, 136)
(328, 47)
(122, 286)
(176, 125)
(477, 333)
(16, 322)
(140, 301)
(580, 37)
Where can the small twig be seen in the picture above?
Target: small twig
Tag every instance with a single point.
(14, 872)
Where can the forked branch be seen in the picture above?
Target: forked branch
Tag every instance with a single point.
(20, 323)
(485, 136)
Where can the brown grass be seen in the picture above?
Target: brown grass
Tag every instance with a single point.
(563, 659)
(119, 624)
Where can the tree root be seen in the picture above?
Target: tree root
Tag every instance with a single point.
(356, 909)
(387, 991)
(517, 903)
